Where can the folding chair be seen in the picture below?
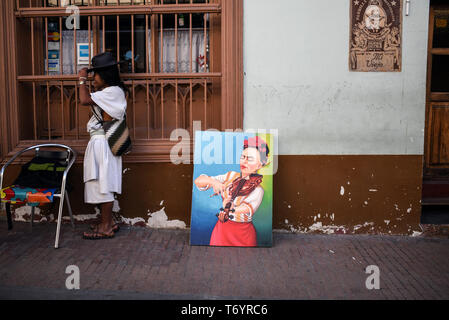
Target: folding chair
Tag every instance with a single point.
(32, 195)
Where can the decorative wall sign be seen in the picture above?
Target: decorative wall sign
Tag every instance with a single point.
(232, 199)
(376, 34)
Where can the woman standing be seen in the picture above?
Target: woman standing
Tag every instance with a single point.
(241, 194)
(102, 170)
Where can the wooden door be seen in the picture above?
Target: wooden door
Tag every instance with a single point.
(437, 99)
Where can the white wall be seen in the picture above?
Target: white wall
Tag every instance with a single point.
(297, 80)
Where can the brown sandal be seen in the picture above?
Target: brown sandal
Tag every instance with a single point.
(98, 236)
(115, 227)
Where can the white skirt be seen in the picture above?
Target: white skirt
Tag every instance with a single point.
(102, 171)
(93, 195)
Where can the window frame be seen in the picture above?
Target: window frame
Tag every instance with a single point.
(231, 75)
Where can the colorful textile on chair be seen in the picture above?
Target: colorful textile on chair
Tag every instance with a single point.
(23, 195)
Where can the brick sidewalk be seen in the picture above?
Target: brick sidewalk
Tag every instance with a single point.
(142, 263)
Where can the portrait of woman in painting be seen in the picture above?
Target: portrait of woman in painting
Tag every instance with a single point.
(242, 195)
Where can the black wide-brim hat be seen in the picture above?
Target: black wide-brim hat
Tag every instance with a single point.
(103, 60)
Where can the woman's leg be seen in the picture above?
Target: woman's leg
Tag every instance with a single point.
(105, 228)
(106, 223)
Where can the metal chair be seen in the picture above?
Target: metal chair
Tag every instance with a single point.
(68, 156)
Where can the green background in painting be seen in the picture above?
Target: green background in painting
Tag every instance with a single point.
(262, 219)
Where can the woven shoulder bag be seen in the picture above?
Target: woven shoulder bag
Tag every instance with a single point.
(117, 134)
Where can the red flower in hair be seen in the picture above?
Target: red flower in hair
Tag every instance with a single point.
(259, 143)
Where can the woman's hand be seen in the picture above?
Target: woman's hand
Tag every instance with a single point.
(218, 187)
(84, 96)
(226, 200)
(222, 216)
(82, 73)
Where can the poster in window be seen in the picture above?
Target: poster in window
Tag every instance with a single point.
(232, 189)
(375, 35)
(83, 53)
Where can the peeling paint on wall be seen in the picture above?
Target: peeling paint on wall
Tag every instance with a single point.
(23, 214)
(134, 221)
(159, 219)
(328, 229)
(115, 206)
(83, 217)
(319, 227)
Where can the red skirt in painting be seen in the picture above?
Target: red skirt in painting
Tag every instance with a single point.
(234, 234)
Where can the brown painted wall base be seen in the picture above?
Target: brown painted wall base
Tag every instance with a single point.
(330, 194)
(349, 194)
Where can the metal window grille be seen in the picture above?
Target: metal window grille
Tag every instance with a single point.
(162, 96)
